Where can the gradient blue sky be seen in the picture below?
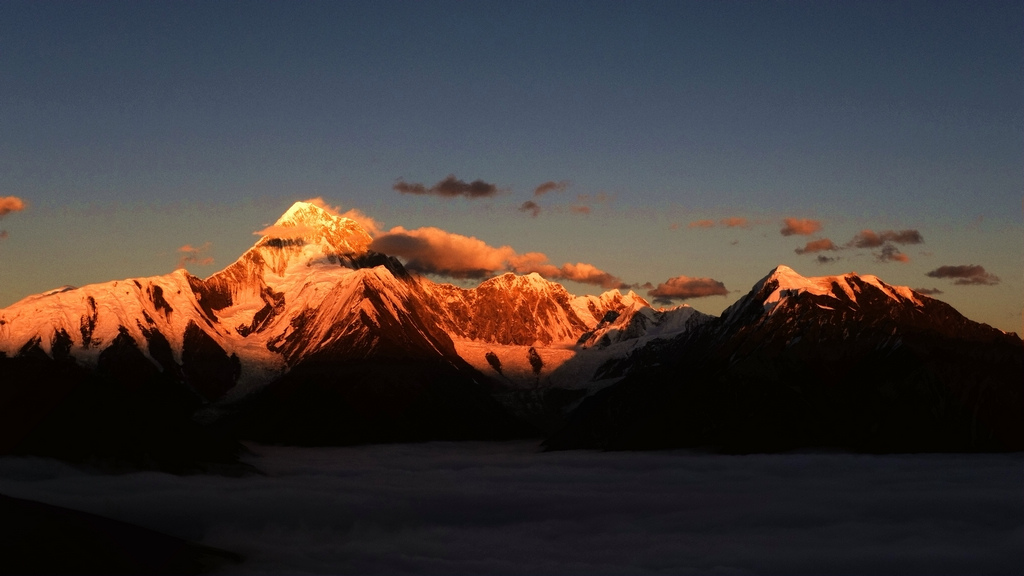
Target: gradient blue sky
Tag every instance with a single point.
(134, 128)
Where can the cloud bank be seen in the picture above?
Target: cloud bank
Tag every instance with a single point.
(503, 508)
(871, 239)
(450, 187)
(434, 251)
(685, 287)
(965, 275)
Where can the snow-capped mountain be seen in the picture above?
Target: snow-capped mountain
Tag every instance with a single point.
(836, 361)
(311, 337)
(311, 288)
(311, 294)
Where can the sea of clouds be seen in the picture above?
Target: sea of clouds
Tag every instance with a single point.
(505, 508)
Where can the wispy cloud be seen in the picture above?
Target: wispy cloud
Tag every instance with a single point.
(368, 223)
(890, 253)
(194, 255)
(928, 291)
(730, 222)
(530, 207)
(685, 287)
(965, 275)
(799, 227)
(323, 205)
(450, 187)
(735, 222)
(585, 202)
(551, 186)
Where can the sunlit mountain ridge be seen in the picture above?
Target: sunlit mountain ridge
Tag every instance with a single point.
(312, 337)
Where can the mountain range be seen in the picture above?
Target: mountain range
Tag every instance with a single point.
(311, 337)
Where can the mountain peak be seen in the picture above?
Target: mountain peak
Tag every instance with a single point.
(847, 286)
(306, 223)
(305, 213)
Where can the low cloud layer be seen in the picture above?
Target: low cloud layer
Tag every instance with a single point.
(799, 227)
(450, 187)
(435, 251)
(965, 275)
(685, 288)
(194, 255)
(504, 508)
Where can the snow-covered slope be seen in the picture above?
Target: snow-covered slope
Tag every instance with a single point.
(310, 288)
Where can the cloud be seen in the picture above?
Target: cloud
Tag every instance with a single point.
(3, 234)
(800, 227)
(928, 291)
(584, 202)
(735, 222)
(436, 251)
(502, 508)
(580, 272)
(817, 246)
(368, 223)
(194, 255)
(966, 275)
(589, 274)
(890, 253)
(319, 202)
(450, 187)
(684, 287)
(702, 224)
(822, 259)
(10, 204)
(870, 239)
(532, 207)
(551, 186)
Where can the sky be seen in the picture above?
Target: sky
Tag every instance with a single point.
(502, 508)
(680, 149)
